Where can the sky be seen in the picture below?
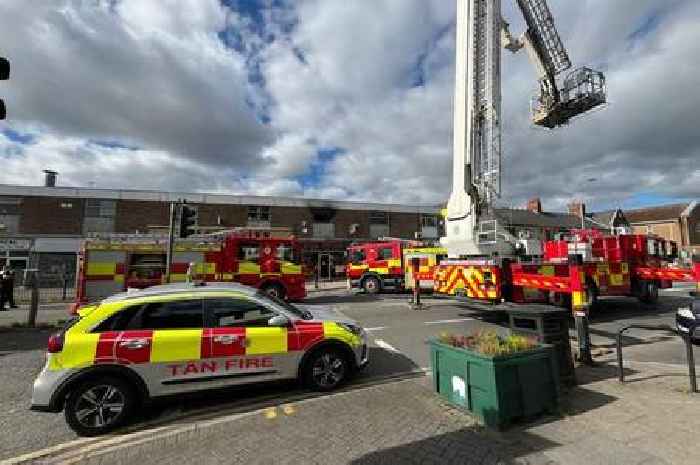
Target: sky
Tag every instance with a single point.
(348, 100)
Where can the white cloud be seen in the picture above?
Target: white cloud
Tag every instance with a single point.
(155, 75)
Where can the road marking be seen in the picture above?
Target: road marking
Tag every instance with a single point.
(378, 328)
(442, 322)
(386, 346)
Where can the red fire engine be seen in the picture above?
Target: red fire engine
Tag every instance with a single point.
(263, 258)
(377, 266)
(624, 265)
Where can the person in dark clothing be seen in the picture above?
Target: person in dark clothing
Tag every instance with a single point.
(7, 291)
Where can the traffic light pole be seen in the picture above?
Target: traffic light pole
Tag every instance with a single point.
(171, 239)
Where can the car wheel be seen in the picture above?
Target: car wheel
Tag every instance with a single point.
(650, 292)
(325, 370)
(371, 285)
(275, 291)
(98, 406)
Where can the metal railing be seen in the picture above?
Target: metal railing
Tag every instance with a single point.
(688, 345)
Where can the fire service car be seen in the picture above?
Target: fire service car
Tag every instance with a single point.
(176, 338)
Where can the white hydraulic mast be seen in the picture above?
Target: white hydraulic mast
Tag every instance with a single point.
(476, 179)
(480, 33)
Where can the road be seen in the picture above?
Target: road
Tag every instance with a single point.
(398, 336)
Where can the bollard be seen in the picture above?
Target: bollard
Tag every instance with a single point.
(34, 303)
(580, 309)
(691, 362)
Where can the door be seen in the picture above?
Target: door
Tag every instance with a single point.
(325, 265)
(241, 344)
(163, 344)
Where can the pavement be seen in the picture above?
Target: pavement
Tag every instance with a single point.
(47, 314)
(389, 414)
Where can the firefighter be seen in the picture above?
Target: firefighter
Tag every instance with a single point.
(7, 288)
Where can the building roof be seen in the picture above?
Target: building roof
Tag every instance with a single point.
(545, 219)
(204, 198)
(660, 213)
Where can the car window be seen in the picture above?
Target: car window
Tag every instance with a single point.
(226, 312)
(119, 321)
(386, 254)
(169, 315)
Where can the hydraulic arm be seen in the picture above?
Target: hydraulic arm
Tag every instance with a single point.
(481, 32)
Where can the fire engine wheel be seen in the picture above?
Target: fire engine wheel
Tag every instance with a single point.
(371, 285)
(100, 405)
(591, 297)
(560, 299)
(274, 290)
(649, 292)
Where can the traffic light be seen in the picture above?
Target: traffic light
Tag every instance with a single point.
(188, 220)
(4, 76)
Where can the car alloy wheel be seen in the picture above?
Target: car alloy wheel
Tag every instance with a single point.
(99, 406)
(328, 370)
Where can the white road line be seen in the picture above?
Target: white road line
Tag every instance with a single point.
(378, 328)
(386, 346)
(442, 322)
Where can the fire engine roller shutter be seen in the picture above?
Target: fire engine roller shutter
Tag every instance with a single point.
(182, 260)
(104, 273)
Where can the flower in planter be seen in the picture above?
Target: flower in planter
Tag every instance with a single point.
(489, 342)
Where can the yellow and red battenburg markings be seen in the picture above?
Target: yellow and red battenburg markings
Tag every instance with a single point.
(85, 349)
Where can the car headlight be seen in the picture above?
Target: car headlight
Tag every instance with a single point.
(684, 312)
(356, 330)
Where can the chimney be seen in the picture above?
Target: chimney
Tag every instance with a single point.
(534, 205)
(577, 208)
(50, 178)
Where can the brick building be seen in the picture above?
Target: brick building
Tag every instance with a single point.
(678, 222)
(42, 226)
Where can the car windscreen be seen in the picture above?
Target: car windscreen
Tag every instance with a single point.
(284, 305)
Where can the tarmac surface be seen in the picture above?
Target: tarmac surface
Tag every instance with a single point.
(390, 411)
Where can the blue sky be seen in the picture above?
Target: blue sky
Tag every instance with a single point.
(335, 99)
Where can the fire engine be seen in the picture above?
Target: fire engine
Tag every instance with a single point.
(631, 265)
(386, 264)
(263, 258)
(485, 260)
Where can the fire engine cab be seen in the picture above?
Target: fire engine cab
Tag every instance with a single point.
(263, 258)
(386, 264)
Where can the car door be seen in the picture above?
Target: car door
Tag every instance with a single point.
(164, 341)
(242, 344)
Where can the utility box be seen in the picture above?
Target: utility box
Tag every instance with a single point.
(549, 325)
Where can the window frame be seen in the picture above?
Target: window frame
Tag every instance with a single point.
(140, 314)
(95, 208)
(242, 245)
(433, 218)
(380, 253)
(260, 213)
(111, 319)
(211, 321)
(379, 218)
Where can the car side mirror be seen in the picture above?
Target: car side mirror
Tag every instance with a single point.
(278, 321)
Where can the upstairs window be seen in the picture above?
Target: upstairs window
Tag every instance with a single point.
(96, 208)
(379, 218)
(259, 214)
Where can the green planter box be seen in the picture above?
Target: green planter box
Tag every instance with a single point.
(498, 390)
